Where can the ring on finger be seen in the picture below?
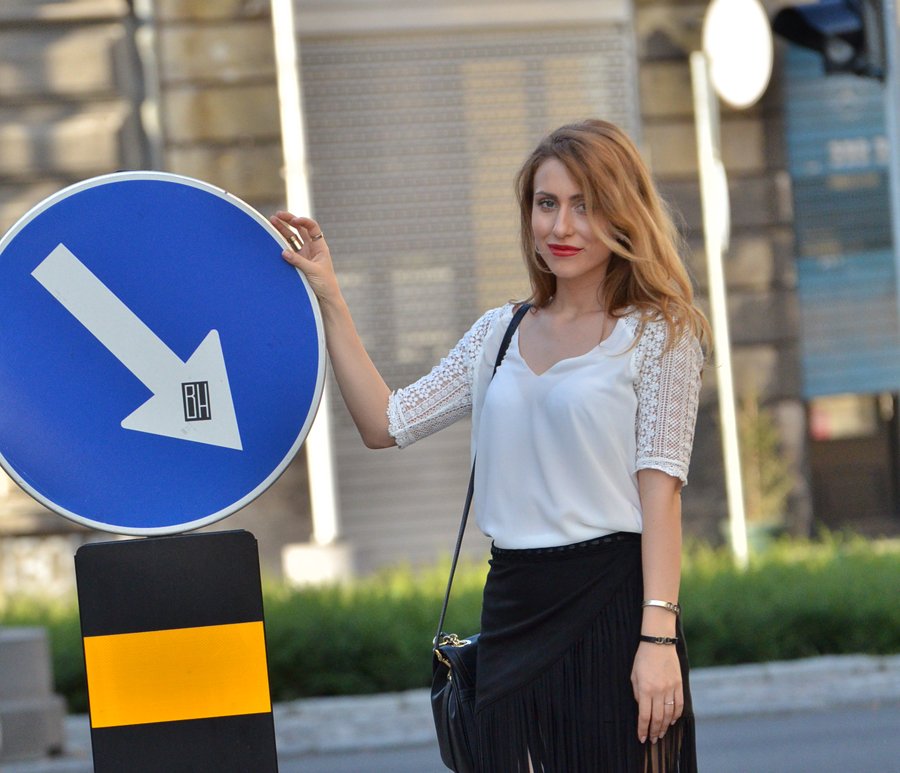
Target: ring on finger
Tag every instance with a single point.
(669, 703)
(318, 236)
(295, 243)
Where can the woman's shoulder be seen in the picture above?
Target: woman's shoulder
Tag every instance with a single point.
(503, 312)
(484, 330)
(634, 320)
(655, 337)
(653, 326)
(494, 318)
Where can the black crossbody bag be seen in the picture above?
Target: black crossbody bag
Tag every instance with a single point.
(454, 659)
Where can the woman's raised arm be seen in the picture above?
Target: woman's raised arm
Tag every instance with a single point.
(362, 387)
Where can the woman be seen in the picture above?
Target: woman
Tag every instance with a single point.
(583, 440)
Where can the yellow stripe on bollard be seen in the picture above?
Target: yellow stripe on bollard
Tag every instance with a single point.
(177, 674)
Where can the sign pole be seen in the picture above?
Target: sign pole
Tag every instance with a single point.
(714, 195)
(736, 65)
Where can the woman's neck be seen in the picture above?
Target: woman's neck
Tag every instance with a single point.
(575, 301)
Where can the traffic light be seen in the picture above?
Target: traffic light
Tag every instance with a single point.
(849, 34)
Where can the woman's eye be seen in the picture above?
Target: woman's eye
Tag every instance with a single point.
(546, 203)
(581, 208)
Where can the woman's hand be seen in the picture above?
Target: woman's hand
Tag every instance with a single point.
(313, 257)
(656, 681)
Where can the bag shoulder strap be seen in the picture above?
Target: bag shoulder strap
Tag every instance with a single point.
(501, 353)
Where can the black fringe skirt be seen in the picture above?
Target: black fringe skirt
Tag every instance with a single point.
(559, 632)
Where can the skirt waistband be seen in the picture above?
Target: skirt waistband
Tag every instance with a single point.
(557, 551)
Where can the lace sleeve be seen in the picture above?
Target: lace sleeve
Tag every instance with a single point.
(443, 396)
(668, 390)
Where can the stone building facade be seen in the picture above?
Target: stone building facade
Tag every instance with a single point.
(417, 116)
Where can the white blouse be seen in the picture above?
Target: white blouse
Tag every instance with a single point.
(559, 452)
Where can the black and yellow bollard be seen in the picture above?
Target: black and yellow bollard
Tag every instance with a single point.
(175, 654)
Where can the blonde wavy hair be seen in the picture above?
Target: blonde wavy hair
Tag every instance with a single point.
(645, 270)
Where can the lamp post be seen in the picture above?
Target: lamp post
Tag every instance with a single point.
(319, 452)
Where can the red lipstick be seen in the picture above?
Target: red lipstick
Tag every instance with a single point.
(563, 250)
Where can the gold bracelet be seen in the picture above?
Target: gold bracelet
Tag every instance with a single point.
(673, 608)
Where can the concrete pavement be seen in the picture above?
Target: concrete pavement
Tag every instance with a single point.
(404, 719)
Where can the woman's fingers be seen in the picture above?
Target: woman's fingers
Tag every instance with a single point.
(293, 239)
(657, 713)
(294, 220)
(286, 223)
(668, 715)
(657, 719)
(645, 714)
(305, 225)
(281, 221)
(305, 237)
(665, 712)
(679, 704)
(654, 721)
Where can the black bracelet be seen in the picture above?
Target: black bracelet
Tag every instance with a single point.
(660, 639)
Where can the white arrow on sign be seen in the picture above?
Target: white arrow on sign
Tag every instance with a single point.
(191, 400)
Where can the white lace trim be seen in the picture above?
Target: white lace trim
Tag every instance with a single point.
(667, 385)
(443, 396)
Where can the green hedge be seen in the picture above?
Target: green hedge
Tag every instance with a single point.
(372, 636)
(796, 600)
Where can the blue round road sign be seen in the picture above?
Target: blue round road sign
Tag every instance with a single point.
(160, 365)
